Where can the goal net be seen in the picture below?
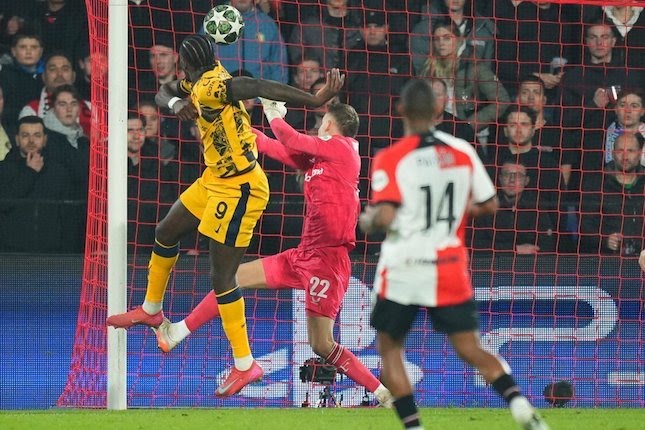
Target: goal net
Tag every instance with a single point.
(571, 310)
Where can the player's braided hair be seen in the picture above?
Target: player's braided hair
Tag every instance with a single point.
(197, 51)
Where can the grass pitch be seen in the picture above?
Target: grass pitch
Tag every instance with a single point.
(311, 419)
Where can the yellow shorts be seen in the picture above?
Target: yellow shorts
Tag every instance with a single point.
(229, 208)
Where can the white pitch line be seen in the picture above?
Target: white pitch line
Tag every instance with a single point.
(626, 378)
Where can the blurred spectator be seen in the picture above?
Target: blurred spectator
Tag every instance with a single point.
(445, 121)
(5, 142)
(152, 186)
(260, 50)
(172, 138)
(532, 93)
(149, 113)
(327, 34)
(140, 18)
(164, 63)
(587, 85)
(629, 113)
(58, 71)
(63, 26)
(307, 71)
(531, 36)
(69, 146)
(542, 167)
(587, 91)
(612, 221)
(11, 24)
(475, 94)
(84, 78)
(174, 153)
(628, 25)
(375, 76)
(477, 31)
(21, 80)
(401, 17)
(32, 187)
(518, 226)
(285, 17)
(548, 129)
(163, 134)
(83, 82)
(64, 117)
(167, 20)
(547, 176)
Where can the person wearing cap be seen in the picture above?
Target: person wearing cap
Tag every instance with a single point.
(375, 75)
(330, 35)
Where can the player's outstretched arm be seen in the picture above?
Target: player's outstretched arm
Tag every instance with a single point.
(242, 88)
(279, 152)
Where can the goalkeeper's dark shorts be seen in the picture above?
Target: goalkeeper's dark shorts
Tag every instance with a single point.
(396, 319)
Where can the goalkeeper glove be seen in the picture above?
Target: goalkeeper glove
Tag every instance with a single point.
(273, 109)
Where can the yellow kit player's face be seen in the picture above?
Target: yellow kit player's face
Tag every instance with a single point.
(191, 73)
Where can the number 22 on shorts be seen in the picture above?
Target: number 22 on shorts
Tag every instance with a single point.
(318, 288)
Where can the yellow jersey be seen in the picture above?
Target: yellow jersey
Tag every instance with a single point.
(224, 126)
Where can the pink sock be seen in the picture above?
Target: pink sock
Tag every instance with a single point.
(205, 311)
(347, 363)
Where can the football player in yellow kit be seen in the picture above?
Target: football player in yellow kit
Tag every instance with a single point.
(226, 202)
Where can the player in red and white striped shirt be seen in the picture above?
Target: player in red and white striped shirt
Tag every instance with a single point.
(423, 189)
(320, 264)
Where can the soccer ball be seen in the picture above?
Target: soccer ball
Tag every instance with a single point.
(224, 24)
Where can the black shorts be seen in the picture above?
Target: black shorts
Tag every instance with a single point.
(396, 319)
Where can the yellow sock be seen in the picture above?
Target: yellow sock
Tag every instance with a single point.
(162, 261)
(231, 308)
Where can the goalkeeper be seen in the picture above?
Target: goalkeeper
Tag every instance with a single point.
(320, 265)
(226, 202)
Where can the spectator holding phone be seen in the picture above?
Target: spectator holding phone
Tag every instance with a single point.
(629, 113)
(588, 91)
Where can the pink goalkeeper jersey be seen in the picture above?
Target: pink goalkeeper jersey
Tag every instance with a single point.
(331, 166)
(431, 178)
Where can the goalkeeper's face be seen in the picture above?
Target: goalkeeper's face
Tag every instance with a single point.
(327, 126)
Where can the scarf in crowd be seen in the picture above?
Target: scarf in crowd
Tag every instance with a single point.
(5, 143)
(72, 133)
(613, 132)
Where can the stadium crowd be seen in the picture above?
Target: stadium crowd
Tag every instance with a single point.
(550, 96)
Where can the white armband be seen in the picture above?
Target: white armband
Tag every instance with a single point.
(172, 102)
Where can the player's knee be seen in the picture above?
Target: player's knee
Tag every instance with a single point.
(470, 354)
(222, 282)
(321, 347)
(386, 344)
(165, 234)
